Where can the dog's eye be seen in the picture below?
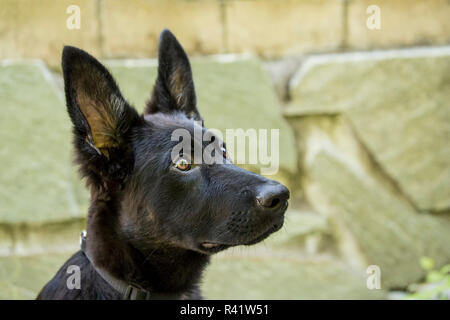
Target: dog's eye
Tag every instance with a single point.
(224, 151)
(183, 164)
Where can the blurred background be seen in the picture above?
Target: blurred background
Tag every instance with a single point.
(360, 91)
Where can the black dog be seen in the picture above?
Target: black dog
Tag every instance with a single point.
(154, 221)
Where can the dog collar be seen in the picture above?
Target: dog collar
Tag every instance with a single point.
(127, 290)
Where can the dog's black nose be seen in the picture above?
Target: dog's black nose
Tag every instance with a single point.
(271, 196)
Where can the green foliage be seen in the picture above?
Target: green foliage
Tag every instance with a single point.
(427, 263)
(436, 285)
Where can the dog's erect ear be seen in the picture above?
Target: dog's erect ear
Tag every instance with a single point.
(101, 117)
(100, 114)
(174, 87)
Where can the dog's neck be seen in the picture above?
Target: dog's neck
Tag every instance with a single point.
(166, 270)
(173, 269)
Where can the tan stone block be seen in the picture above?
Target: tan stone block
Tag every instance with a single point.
(274, 28)
(38, 29)
(403, 23)
(132, 28)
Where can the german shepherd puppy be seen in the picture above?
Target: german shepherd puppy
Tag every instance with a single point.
(153, 221)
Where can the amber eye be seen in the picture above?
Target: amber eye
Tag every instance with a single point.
(183, 165)
(224, 151)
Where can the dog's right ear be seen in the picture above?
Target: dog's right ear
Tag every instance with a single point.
(101, 117)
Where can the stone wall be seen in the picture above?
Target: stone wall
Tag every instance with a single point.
(372, 132)
(270, 28)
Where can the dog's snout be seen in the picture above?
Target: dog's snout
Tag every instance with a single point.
(272, 196)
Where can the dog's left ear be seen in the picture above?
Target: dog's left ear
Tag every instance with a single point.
(174, 88)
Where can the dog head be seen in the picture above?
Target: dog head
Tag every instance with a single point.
(153, 195)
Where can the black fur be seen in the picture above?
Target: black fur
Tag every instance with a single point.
(149, 222)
